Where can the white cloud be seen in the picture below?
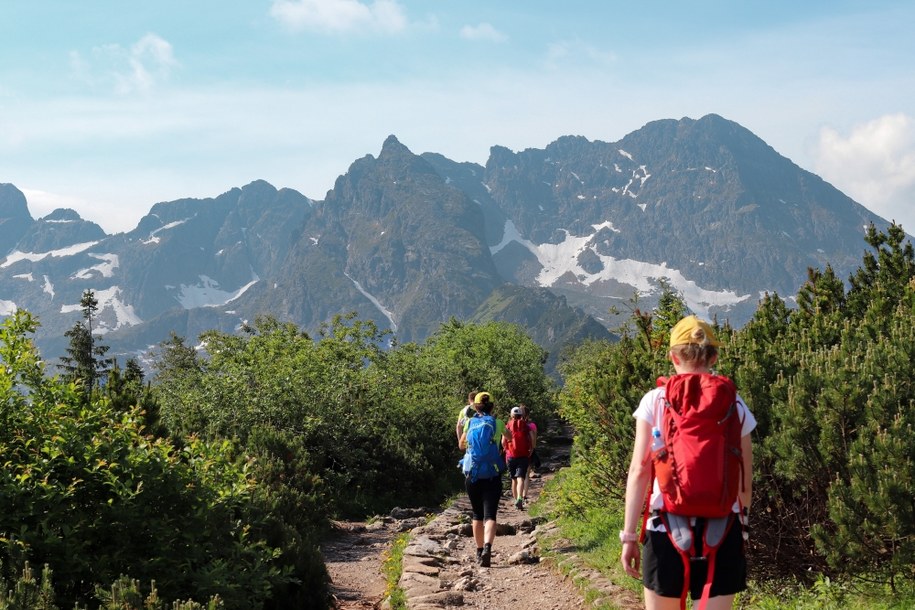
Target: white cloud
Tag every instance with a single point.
(483, 31)
(150, 59)
(147, 62)
(874, 164)
(337, 16)
(577, 53)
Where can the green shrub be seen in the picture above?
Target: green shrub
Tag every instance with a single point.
(87, 493)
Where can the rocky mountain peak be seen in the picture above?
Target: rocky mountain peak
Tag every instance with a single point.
(63, 215)
(13, 205)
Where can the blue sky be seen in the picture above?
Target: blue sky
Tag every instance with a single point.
(108, 107)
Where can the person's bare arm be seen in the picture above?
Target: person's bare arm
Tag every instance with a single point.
(636, 488)
(746, 494)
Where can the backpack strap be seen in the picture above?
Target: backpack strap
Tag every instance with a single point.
(715, 531)
(680, 532)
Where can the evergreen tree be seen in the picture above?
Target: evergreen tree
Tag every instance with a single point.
(871, 525)
(125, 390)
(879, 284)
(85, 363)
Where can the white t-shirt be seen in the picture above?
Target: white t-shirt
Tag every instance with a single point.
(650, 408)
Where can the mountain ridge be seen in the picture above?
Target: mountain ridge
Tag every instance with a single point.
(408, 241)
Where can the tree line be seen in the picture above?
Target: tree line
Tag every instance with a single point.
(212, 485)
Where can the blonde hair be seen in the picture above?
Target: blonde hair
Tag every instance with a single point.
(700, 353)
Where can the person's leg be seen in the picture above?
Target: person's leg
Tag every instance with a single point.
(653, 601)
(489, 535)
(490, 490)
(489, 531)
(474, 493)
(491, 493)
(523, 465)
(722, 602)
(478, 532)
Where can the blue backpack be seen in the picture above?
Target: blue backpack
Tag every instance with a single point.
(482, 459)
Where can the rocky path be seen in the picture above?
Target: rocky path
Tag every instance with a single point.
(440, 568)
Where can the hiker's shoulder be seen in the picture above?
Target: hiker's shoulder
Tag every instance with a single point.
(649, 403)
(653, 394)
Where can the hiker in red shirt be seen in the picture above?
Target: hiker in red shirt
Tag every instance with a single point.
(518, 448)
(686, 552)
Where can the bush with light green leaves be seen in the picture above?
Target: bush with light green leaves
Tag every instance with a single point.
(86, 492)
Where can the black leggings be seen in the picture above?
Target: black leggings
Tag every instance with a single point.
(484, 497)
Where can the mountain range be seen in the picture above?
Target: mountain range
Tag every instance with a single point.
(554, 239)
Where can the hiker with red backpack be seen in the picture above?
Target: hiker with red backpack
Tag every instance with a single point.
(518, 448)
(689, 481)
(483, 466)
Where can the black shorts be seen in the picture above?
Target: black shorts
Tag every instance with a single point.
(662, 565)
(517, 467)
(484, 497)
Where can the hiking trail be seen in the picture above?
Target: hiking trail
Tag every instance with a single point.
(439, 562)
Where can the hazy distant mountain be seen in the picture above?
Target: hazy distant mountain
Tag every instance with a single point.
(550, 239)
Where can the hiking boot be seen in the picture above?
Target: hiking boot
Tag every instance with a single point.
(485, 557)
(519, 503)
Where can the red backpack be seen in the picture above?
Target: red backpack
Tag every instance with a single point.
(698, 463)
(700, 467)
(520, 444)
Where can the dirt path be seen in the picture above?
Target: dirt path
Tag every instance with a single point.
(440, 568)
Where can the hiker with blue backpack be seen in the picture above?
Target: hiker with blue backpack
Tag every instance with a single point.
(483, 466)
(691, 471)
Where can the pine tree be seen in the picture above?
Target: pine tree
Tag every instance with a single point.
(85, 362)
(879, 284)
(125, 390)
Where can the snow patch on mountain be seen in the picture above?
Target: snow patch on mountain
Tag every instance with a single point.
(7, 308)
(153, 237)
(387, 313)
(562, 258)
(106, 268)
(109, 299)
(606, 225)
(16, 255)
(208, 294)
